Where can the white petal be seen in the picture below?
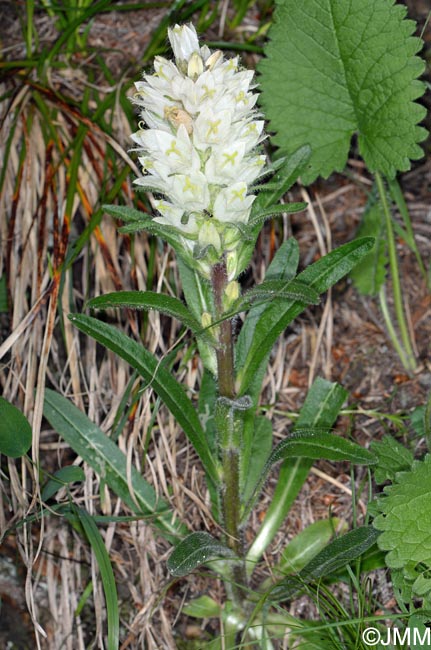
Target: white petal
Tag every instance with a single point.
(184, 41)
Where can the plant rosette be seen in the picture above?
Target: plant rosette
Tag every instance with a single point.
(199, 149)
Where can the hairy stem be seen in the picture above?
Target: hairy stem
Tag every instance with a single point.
(229, 438)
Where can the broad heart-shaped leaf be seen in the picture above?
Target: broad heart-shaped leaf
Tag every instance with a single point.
(164, 384)
(336, 555)
(251, 355)
(406, 517)
(334, 68)
(369, 275)
(149, 300)
(15, 431)
(108, 461)
(194, 550)
(320, 409)
(392, 457)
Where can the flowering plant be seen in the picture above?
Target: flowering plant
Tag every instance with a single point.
(199, 147)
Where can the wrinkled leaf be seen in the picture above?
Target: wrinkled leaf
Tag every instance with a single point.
(392, 457)
(405, 509)
(334, 68)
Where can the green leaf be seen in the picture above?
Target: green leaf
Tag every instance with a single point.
(108, 461)
(334, 68)
(334, 556)
(107, 575)
(290, 167)
(316, 444)
(319, 276)
(320, 409)
(149, 300)
(4, 307)
(370, 273)
(197, 293)
(63, 476)
(281, 290)
(288, 173)
(283, 267)
(194, 550)
(392, 457)
(15, 431)
(405, 512)
(202, 607)
(164, 384)
(305, 546)
(274, 211)
(255, 454)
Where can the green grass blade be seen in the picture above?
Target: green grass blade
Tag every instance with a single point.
(164, 384)
(107, 576)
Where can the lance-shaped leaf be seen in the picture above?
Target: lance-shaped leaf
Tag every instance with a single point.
(282, 290)
(320, 409)
(165, 385)
(252, 354)
(289, 169)
(293, 166)
(334, 68)
(108, 461)
(194, 550)
(335, 556)
(274, 211)
(149, 300)
(316, 444)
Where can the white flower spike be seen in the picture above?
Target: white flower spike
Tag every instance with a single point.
(199, 148)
